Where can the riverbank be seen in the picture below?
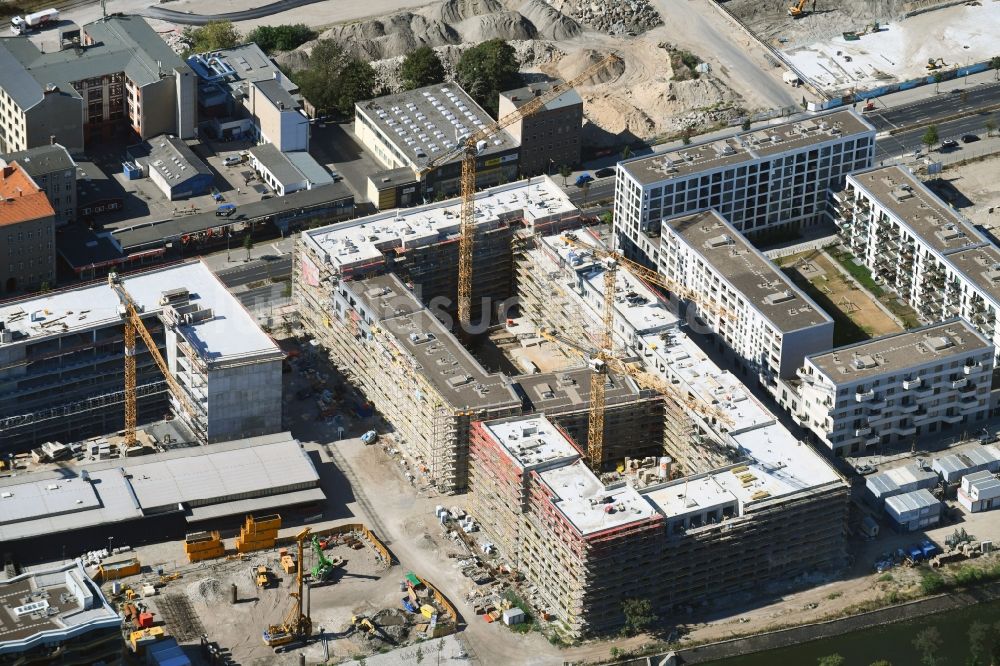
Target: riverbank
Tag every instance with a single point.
(781, 638)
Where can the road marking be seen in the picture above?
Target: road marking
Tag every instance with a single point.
(277, 249)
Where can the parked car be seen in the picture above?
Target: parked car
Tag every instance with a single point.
(969, 138)
(605, 172)
(232, 160)
(949, 144)
(583, 179)
(369, 437)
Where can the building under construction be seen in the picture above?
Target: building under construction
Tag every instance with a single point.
(62, 360)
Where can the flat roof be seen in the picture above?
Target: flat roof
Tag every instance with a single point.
(746, 146)
(364, 241)
(911, 501)
(423, 124)
(981, 266)
(442, 360)
(532, 442)
(277, 94)
(748, 271)
(564, 390)
(314, 172)
(98, 492)
(900, 351)
(159, 233)
(80, 247)
(519, 96)
(51, 605)
(919, 209)
(277, 163)
(588, 504)
(246, 62)
(230, 333)
(984, 481)
(170, 156)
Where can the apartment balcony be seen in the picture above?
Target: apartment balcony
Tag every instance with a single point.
(906, 431)
(879, 419)
(909, 384)
(953, 418)
(864, 396)
(909, 409)
(871, 441)
(975, 367)
(959, 383)
(861, 432)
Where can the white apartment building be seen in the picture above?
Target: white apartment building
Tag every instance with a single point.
(896, 387)
(771, 178)
(755, 310)
(919, 247)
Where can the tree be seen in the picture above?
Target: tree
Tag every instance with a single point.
(248, 245)
(357, 83)
(421, 68)
(213, 35)
(928, 643)
(746, 125)
(995, 65)
(832, 660)
(979, 640)
(881, 662)
(639, 615)
(930, 137)
(419, 654)
(607, 217)
(487, 69)
(686, 136)
(991, 126)
(332, 81)
(626, 152)
(273, 38)
(565, 171)
(938, 78)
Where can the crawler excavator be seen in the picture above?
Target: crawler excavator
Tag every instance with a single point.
(798, 10)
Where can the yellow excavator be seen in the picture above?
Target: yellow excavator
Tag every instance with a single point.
(798, 10)
(933, 64)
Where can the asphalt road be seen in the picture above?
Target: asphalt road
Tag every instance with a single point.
(257, 270)
(925, 110)
(907, 142)
(184, 18)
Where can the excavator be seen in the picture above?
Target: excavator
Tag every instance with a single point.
(798, 10)
(297, 624)
(935, 64)
(323, 567)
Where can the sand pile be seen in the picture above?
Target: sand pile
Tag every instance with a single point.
(501, 25)
(549, 22)
(396, 35)
(456, 11)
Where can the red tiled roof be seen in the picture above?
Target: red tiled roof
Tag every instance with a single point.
(21, 199)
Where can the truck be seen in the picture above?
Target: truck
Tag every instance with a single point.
(22, 25)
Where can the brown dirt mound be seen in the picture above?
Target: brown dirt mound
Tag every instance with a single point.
(456, 11)
(570, 68)
(549, 22)
(501, 25)
(396, 35)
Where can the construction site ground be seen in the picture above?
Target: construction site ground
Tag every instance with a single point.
(977, 188)
(856, 316)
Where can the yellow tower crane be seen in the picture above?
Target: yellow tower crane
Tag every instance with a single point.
(469, 150)
(129, 311)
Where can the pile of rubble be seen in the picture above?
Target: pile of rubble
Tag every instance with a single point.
(615, 17)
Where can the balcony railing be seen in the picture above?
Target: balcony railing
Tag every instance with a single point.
(862, 396)
(969, 369)
(911, 383)
(959, 383)
(861, 432)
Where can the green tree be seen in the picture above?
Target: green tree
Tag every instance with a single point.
(357, 83)
(928, 643)
(248, 245)
(607, 217)
(213, 35)
(831, 660)
(995, 65)
(420, 654)
(565, 171)
(626, 152)
(938, 78)
(686, 136)
(639, 615)
(930, 137)
(487, 69)
(746, 125)
(273, 38)
(421, 68)
(332, 81)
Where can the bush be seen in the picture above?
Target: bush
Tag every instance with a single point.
(273, 38)
(932, 583)
(213, 36)
(420, 68)
(487, 69)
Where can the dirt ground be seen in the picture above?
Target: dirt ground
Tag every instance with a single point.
(840, 296)
(978, 182)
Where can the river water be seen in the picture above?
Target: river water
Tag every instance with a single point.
(893, 642)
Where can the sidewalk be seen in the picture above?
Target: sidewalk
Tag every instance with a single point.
(920, 93)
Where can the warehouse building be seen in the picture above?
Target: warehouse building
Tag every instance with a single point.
(770, 178)
(917, 246)
(586, 546)
(288, 172)
(57, 615)
(752, 308)
(120, 77)
(410, 129)
(897, 387)
(54, 171)
(72, 340)
(173, 167)
(155, 497)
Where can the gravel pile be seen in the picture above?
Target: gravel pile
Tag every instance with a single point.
(614, 17)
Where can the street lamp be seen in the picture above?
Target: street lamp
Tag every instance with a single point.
(552, 163)
(110, 539)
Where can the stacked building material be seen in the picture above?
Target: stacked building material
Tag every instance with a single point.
(203, 546)
(258, 533)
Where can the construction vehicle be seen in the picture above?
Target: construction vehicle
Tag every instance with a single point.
(297, 624)
(469, 148)
(263, 576)
(935, 64)
(129, 311)
(798, 10)
(363, 623)
(323, 567)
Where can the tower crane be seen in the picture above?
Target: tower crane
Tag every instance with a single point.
(655, 277)
(297, 622)
(129, 311)
(469, 149)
